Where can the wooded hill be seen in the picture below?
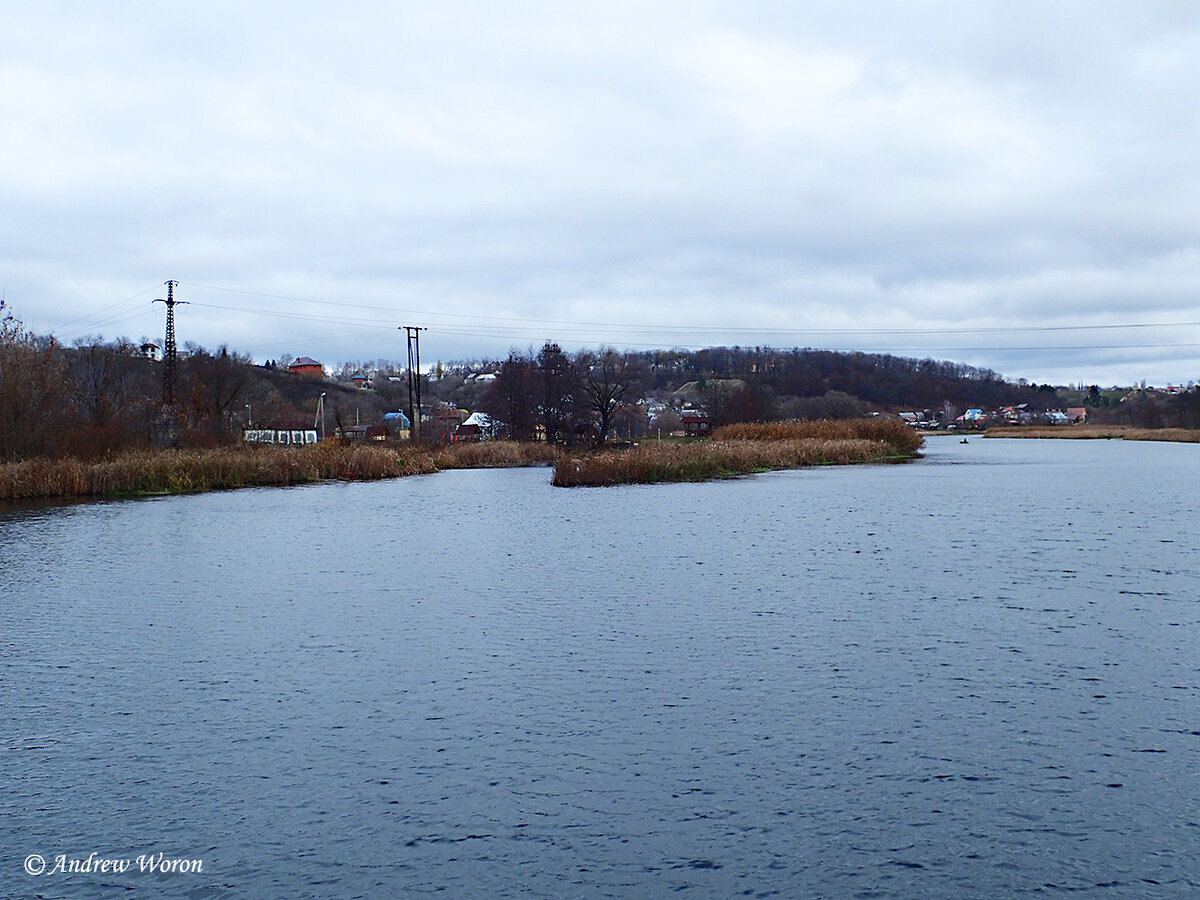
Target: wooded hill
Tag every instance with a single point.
(96, 397)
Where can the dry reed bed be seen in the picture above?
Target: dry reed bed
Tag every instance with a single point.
(184, 471)
(1098, 432)
(495, 454)
(890, 431)
(738, 450)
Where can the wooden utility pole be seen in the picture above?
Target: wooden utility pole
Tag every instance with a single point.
(414, 380)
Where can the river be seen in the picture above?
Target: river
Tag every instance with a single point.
(972, 675)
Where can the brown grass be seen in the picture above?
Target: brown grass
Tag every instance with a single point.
(762, 448)
(182, 471)
(1097, 432)
(495, 454)
(890, 431)
(140, 472)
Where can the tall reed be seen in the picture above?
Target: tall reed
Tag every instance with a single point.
(1097, 432)
(495, 454)
(181, 471)
(738, 450)
(890, 431)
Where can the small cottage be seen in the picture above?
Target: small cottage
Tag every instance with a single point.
(308, 367)
(695, 423)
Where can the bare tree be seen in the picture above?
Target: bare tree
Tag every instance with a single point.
(107, 380)
(558, 392)
(666, 420)
(31, 391)
(218, 382)
(607, 379)
(112, 390)
(512, 397)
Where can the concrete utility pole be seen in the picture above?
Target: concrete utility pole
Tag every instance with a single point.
(414, 380)
(169, 355)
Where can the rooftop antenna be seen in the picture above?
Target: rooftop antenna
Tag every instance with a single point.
(169, 355)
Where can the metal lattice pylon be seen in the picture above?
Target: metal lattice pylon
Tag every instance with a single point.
(170, 356)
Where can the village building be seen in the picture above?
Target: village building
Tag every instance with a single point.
(477, 427)
(695, 422)
(308, 367)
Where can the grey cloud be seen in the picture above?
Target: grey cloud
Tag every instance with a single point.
(905, 166)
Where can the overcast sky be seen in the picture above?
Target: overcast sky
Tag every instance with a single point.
(993, 183)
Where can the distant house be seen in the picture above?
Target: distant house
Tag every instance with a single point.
(151, 351)
(446, 420)
(972, 418)
(308, 367)
(695, 423)
(361, 381)
(477, 427)
(1077, 414)
(1054, 417)
(394, 425)
(353, 433)
(913, 419)
(280, 435)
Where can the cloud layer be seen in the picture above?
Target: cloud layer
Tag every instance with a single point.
(909, 178)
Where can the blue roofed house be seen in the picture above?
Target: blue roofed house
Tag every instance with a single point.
(393, 426)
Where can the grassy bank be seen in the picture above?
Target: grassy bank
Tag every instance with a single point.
(1098, 432)
(184, 471)
(743, 449)
(734, 451)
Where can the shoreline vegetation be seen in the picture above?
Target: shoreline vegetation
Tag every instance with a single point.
(731, 451)
(1097, 432)
(734, 450)
(742, 450)
(138, 473)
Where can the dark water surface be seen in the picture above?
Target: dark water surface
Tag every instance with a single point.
(976, 675)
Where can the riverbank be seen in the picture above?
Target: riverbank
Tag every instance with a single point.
(735, 450)
(1097, 432)
(148, 472)
(743, 450)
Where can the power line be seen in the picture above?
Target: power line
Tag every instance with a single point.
(520, 330)
(583, 331)
(690, 329)
(110, 319)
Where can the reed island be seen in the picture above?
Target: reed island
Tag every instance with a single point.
(732, 450)
(744, 449)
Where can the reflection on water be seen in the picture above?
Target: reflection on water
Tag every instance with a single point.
(973, 676)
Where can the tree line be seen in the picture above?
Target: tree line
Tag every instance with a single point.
(95, 396)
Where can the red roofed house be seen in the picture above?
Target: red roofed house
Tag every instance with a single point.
(695, 422)
(306, 365)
